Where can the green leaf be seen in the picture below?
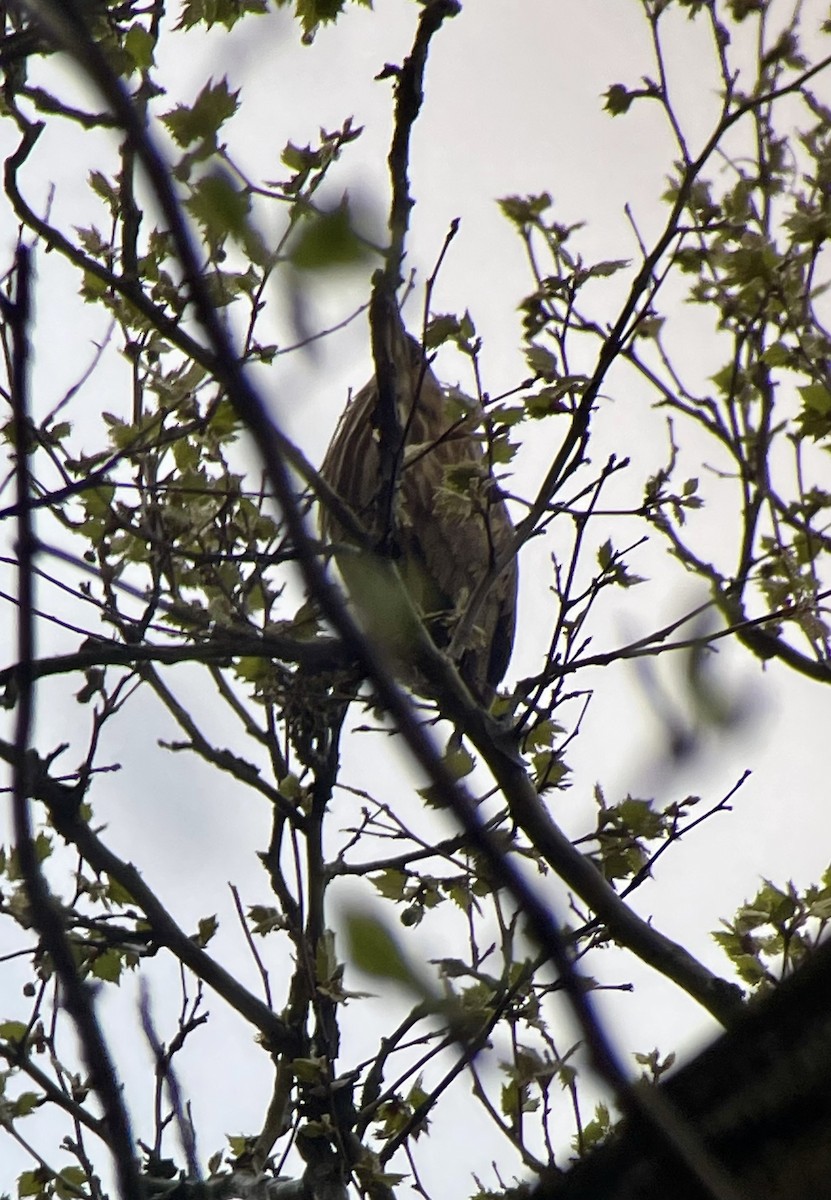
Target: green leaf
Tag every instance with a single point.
(326, 961)
(33, 1183)
(220, 207)
(98, 500)
(440, 329)
(108, 966)
(639, 817)
(375, 951)
(739, 9)
(93, 288)
(13, 1031)
(117, 893)
(328, 240)
(300, 158)
(649, 326)
(458, 761)
(601, 270)
(776, 355)
(238, 1144)
(290, 787)
(265, 920)
(725, 379)
(618, 99)
(542, 362)
(595, 1131)
(69, 1183)
(58, 432)
(214, 105)
(225, 424)
(525, 210)
(43, 849)
(92, 241)
(25, 1103)
(103, 188)
(545, 402)
(310, 1070)
(817, 398)
(549, 769)
(139, 46)
(206, 928)
(218, 12)
(391, 883)
(312, 13)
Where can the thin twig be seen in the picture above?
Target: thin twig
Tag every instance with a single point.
(255, 954)
(77, 996)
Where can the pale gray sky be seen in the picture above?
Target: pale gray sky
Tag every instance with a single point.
(513, 105)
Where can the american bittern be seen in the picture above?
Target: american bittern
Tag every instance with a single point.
(450, 523)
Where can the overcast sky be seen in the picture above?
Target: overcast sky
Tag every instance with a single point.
(513, 105)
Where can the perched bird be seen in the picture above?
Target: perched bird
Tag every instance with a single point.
(448, 524)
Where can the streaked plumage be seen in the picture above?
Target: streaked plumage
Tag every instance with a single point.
(447, 537)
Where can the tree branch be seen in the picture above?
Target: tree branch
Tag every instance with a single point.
(46, 915)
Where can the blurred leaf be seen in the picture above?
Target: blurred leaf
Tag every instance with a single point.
(25, 1103)
(139, 46)
(220, 207)
(374, 950)
(107, 966)
(525, 210)
(13, 1031)
(817, 397)
(310, 1070)
(328, 240)
(43, 850)
(218, 12)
